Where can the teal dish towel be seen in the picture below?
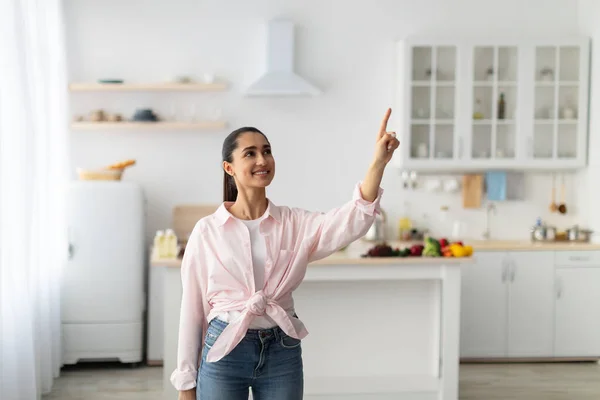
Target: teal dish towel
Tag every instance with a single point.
(496, 185)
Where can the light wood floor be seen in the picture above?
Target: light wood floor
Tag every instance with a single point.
(576, 381)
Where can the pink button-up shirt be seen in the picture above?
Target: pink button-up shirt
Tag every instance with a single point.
(217, 272)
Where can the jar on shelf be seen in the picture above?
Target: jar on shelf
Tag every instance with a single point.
(421, 113)
(429, 72)
(422, 150)
(477, 110)
(546, 74)
(568, 112)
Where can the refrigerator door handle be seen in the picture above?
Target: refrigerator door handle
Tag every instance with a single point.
(71, 248)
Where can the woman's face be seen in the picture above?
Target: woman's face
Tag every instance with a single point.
(253, 164)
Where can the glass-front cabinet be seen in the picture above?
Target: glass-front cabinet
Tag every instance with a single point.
(433, 98)
(493, 104)
(559, 109)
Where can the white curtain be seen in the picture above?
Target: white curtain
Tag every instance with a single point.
(33, 174)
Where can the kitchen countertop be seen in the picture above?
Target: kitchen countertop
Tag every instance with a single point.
(525, 245)
(351, 255)
(515, 245)
(341, 257)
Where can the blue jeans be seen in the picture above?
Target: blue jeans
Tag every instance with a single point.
(266, 360)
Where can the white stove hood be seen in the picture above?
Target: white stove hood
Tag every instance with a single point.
(280, 78)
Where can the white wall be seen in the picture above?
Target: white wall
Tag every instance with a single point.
(322, 145)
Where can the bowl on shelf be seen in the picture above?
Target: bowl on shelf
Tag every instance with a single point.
(100, 174)
(145, 115)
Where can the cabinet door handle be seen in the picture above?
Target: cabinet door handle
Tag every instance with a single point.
(513, 271)
(504, 271)
(559, 288)
(579, 258)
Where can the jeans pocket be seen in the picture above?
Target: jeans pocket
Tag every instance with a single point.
(210, 339)
(289, 342)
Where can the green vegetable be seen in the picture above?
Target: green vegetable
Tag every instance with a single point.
(433, 243)
(432, 248)
(405, 252)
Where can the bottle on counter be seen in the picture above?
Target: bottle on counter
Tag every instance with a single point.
(171, 248)
(159, 240)
(404, 229)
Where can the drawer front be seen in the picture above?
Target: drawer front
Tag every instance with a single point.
(579, 258)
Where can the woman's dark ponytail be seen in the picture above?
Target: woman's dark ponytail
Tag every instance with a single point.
(230, 191)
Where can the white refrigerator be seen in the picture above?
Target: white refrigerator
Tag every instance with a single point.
(102, 294)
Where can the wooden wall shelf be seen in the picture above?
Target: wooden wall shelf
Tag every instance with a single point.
(132, 125)
(129, 87)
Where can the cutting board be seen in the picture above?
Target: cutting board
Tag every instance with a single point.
(185, 217)
(472, 191)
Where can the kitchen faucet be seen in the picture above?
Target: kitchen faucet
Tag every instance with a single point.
(491, 207)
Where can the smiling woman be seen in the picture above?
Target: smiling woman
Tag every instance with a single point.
(238, 328)
(253, 150)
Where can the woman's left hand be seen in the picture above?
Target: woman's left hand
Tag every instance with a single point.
(384, 150)
(386, 142)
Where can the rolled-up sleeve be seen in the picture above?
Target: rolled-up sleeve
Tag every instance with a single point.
(192, 324)
(369, 208)
(330, 231)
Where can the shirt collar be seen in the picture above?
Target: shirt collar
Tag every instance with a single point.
(223, 215)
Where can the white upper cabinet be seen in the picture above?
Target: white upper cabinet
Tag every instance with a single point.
(558, 118)
(427, 110)
(492, 104)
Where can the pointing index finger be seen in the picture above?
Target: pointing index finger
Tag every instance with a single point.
(383, 128)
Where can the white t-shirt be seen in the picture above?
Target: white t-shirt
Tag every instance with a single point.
(259, 257)
(258, 251)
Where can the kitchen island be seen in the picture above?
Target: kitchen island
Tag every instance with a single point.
(379, 328)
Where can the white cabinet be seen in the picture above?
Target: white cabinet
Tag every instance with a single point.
(577, 312)
(155, 327)
(507, 305)
(492, 104)
(483, 323)
(429, 103)
(530, 304)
